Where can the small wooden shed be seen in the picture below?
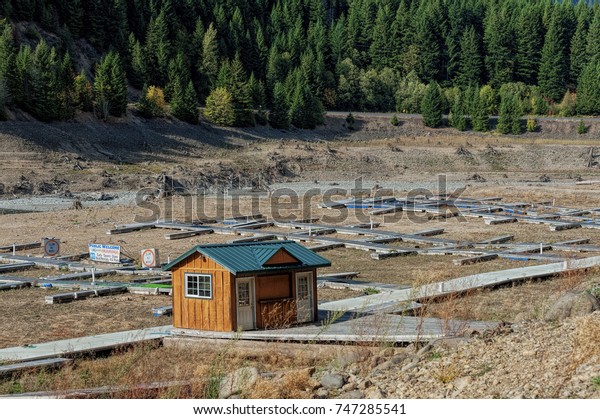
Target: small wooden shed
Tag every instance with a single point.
(245, 286)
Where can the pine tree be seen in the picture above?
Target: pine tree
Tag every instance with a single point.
(432, 106)
(499, 38)
(184, 105)
(479, 113)
(593, 37)
(7, 48)
(579, 57)
(554, 65)
(588, 90)
(430, 44)
(137, 72)
(457, 113)
(306, 111)
(157, 50)
(530, 35)
(279, 116)
(84, 95)
(471, 65)
(209, 68)
(509, 117)
(380, 48)
(110, 87)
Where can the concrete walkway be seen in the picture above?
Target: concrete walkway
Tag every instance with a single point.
(350, 328)
(398, 300)
(82, 345)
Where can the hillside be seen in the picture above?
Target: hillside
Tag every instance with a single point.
(298, 57)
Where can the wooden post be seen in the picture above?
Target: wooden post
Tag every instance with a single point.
(93, 277)
(14, 249)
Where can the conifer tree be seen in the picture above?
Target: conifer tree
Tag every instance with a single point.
(209, 67)
(432, 106)
(588, 90)
(498, 38)
(110, 87)
(554, 65)
(279, 116)
(471, 65)
(579, 56)
(529, 32)
(184, 105)
(84, 96)
(7, 48)
(509, 116)
(479, 113)
(593, 37)
(457, 113)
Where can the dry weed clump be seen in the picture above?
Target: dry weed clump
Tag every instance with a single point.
(296, 384)
(586, 339)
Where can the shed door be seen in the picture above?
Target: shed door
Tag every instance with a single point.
(304, 297)
(246, 319)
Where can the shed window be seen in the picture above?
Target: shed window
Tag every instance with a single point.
(198, 286)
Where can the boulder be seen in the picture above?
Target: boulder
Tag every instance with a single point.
(332, 381)
(237, 381)
(572, 304)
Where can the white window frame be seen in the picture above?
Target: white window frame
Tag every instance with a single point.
(187, 276)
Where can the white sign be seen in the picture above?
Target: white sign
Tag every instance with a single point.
(51, 247)
(150, 258)
(105, 253)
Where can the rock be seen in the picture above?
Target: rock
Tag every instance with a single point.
(572, 304)
(237, 381)
(321, 393)
(376, 360)
(425, 350)
(349, 387)
(355, 394)
(460, 384)
(374, 393)
(332, 381)
(387, 352)
(365, 384)
(382, 367)
(347, 358)
(398, 359)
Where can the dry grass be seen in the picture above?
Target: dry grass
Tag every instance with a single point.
(199, 364)
(586, 339)
(295, 384)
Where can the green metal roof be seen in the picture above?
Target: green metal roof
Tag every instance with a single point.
(251, 257)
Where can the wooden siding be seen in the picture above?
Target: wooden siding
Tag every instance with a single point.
(215, 314)
(274, 296)
(282, 257)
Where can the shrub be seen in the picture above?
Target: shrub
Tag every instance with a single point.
(152, 102)
(409, 94)
(568, 105)
(394, 121)
(219, 107)
(350, 121)
(261, 117)
(581, 128)
(531, 125)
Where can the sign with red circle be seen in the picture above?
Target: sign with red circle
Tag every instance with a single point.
(51, 247)
(150, 258)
